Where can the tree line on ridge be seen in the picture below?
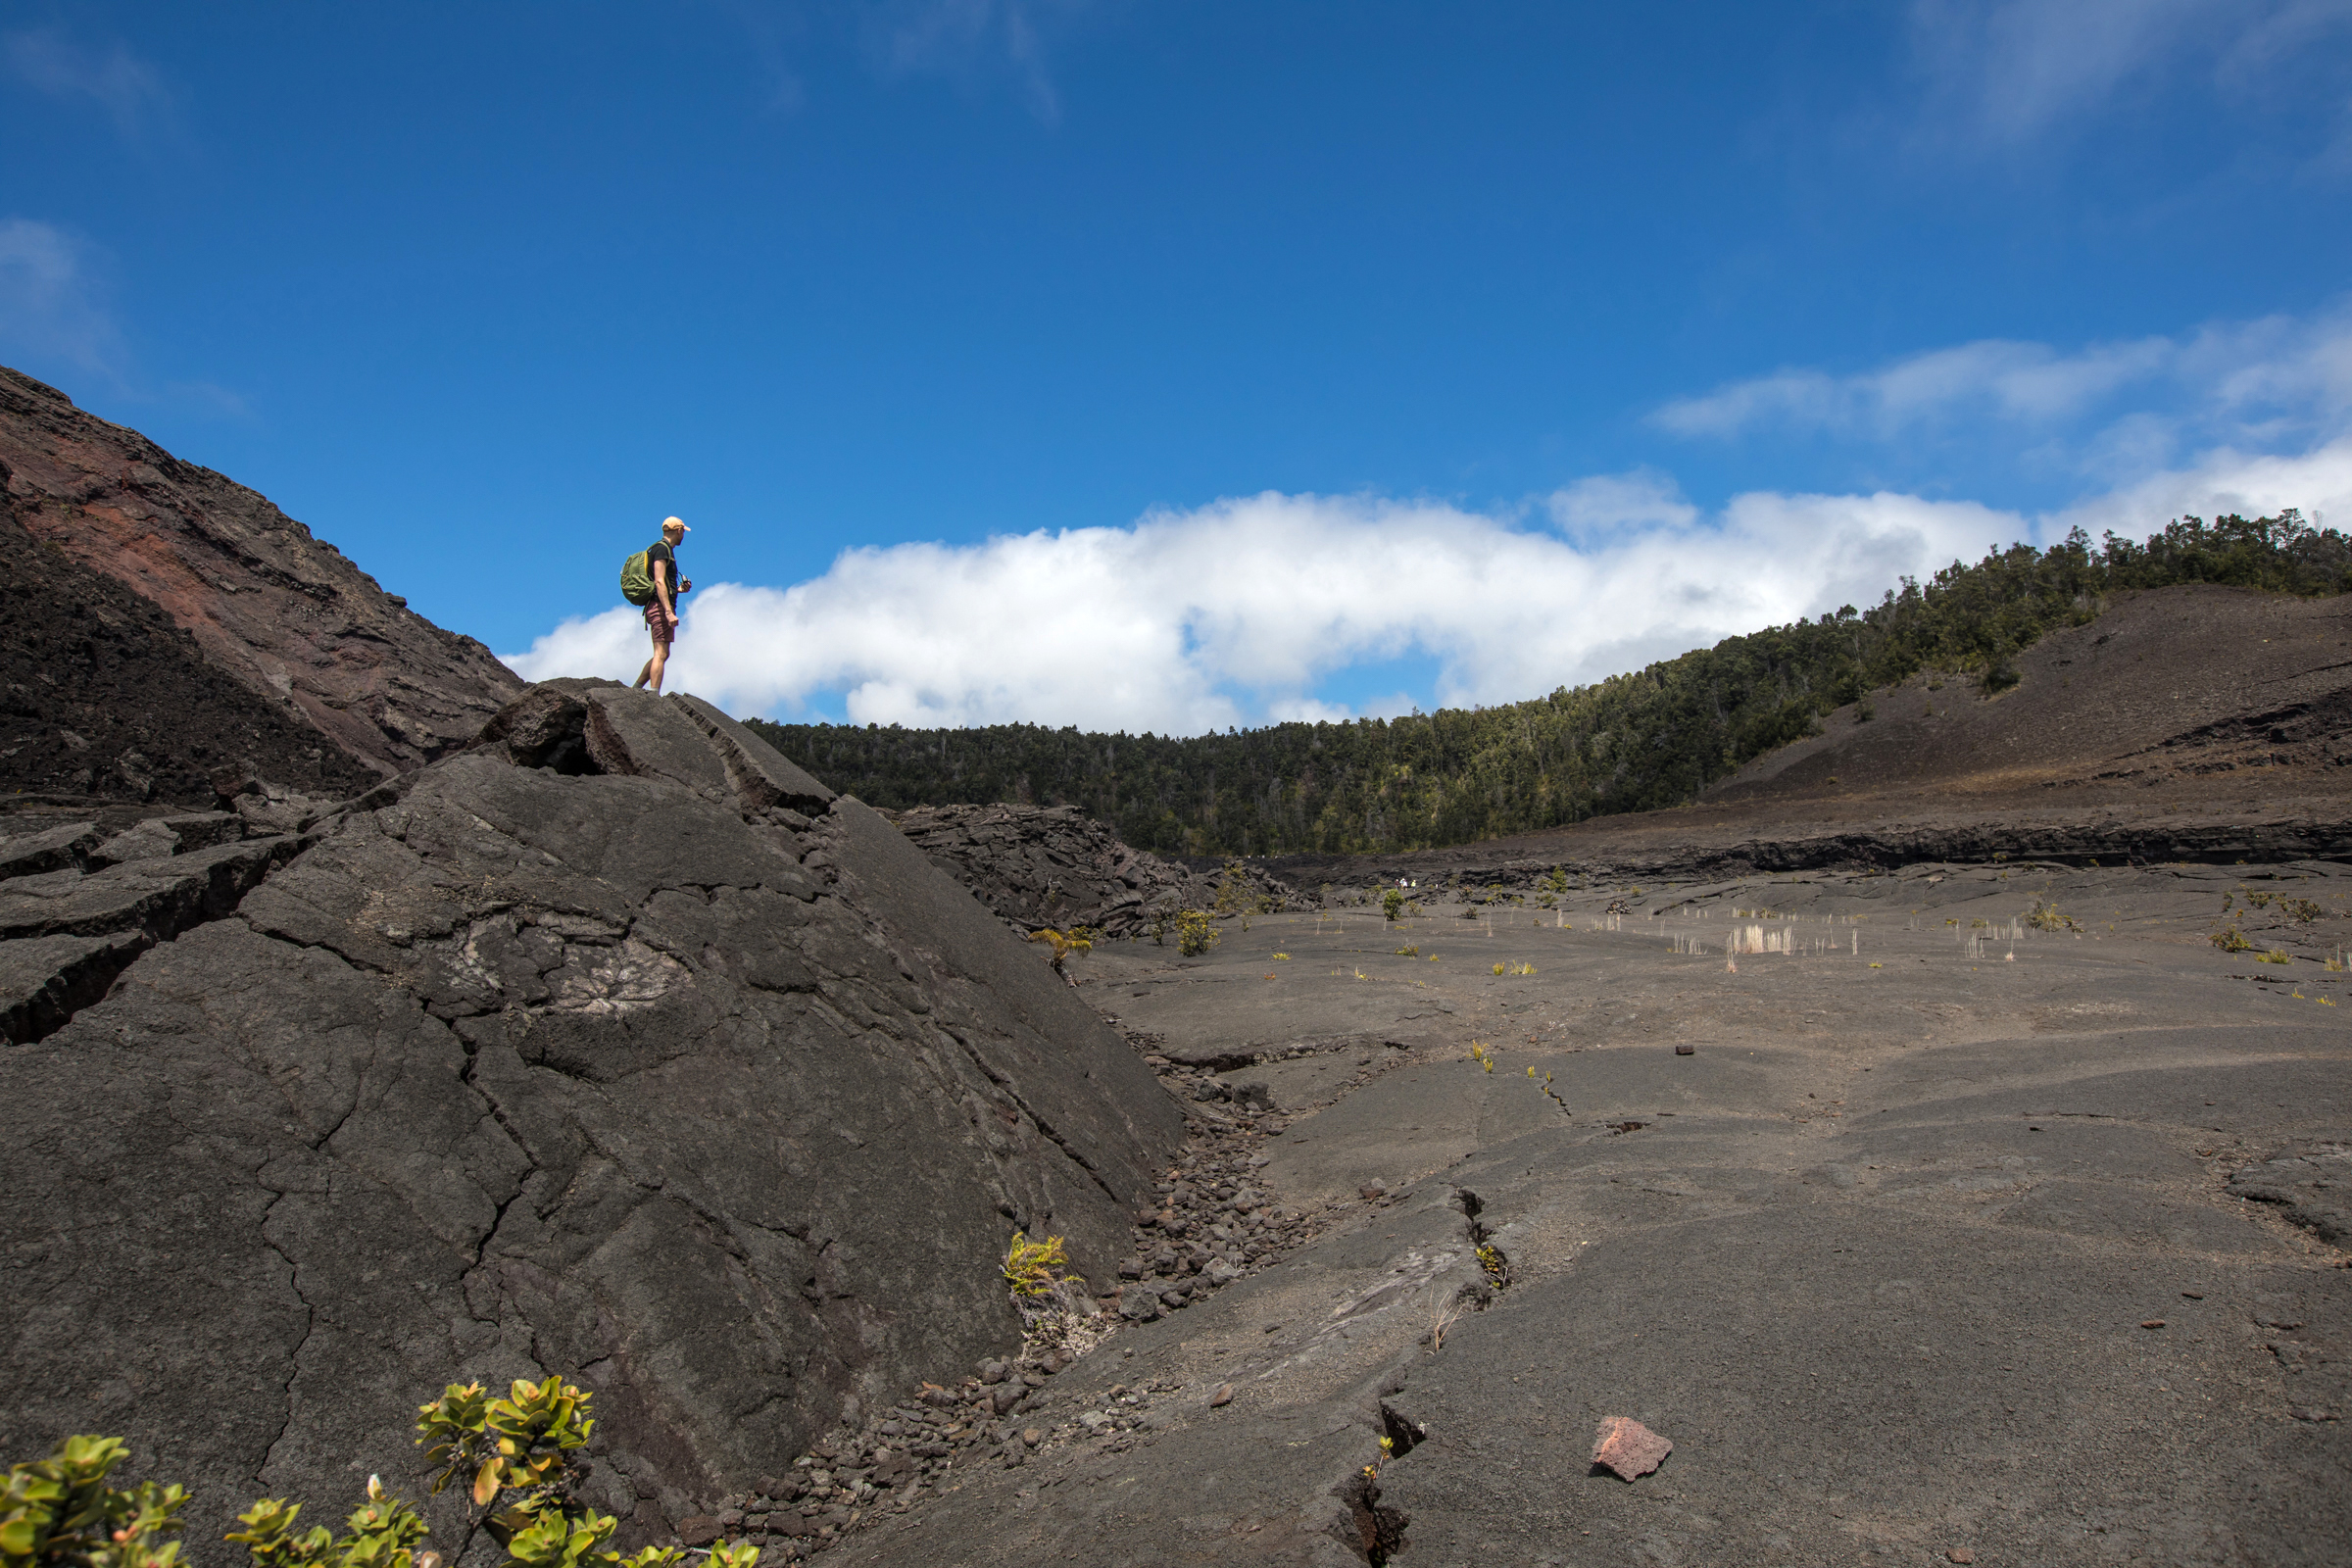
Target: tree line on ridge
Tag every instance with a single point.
(1652, 738)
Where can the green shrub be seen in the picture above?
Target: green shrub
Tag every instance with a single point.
(517, 1458)
(2044, 916)
(61, 1511)
(1391, 905)
(1196, 933)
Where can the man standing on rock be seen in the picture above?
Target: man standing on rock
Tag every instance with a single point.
(660, 611)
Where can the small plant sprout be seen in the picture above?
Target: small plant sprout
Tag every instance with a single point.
(1499, 968)
(1408, 953)
(1388, 1446)
(2274, 956)
(1443, 1308)
(1497, 1266)
(1482, 1055)
(1063, 944)
(1282, 957)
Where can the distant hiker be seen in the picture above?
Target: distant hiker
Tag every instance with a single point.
(650, 578)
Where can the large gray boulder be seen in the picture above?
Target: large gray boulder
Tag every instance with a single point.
(691, 1082)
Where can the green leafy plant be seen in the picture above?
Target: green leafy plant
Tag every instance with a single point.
(1195, 933)
(2230, 941)
(1413, 951)
(59, 1512)
(2274, 956)
(1498, 1267)
(525, 1443)
(2304, 909)
(2044, 916)
(1391, 905)
(1063, 944)
(378, 1536)
(1031, 1268)
(1233, 890)
(517, 1457)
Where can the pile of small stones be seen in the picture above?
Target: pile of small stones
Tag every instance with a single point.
(903, 1454)
(1216, 1222)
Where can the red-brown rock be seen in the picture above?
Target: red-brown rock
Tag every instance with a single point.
(1626, 1447)
(282, 613)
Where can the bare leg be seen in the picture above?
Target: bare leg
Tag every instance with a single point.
(652, 666)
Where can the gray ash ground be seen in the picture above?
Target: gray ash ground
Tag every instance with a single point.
(1880, 1256)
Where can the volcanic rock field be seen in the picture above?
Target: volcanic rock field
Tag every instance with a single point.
(1931, 1146)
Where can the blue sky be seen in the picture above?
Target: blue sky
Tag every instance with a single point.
(1158, 366)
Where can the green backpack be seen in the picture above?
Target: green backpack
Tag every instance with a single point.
(636, 580)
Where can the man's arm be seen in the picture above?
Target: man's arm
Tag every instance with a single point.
(661, 590)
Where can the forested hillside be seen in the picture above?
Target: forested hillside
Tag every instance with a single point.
(1634, 742)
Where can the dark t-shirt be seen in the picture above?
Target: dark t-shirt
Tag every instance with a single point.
(661, 550)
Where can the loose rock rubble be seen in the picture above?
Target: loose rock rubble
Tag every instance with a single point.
(1053, 866)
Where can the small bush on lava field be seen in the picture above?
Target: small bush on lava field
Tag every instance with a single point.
(516, 1458)
(1030, 1267)
(1195, 933)
(2044, 916)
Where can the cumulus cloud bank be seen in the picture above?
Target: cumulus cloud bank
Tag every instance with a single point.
(1243, 610)
(1233, 612)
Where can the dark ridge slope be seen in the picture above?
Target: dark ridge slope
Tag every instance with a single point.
(103, 697)
(281, 613)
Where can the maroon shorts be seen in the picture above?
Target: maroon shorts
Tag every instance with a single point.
(658, 623)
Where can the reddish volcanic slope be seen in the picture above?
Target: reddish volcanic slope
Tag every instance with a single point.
(282, 613)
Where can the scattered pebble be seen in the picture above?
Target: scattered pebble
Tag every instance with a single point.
(2151, 1323)
(1223, 1395)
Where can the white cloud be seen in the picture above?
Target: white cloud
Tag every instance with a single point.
(969, 40)
(49, 311)
(1234, 612)
(2005, 73)
(127, 88)
(1637, 498)
(2259, 382)
(2224, 480)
